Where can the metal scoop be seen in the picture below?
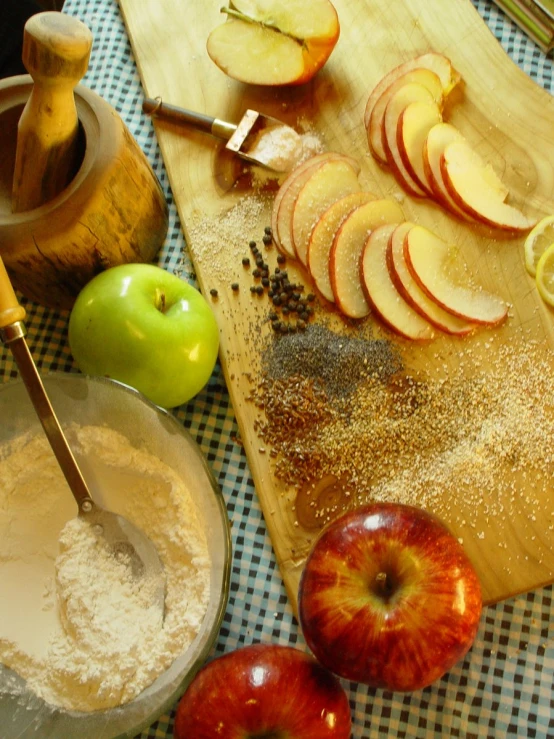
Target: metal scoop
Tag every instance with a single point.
(129, 545)
(246, 139)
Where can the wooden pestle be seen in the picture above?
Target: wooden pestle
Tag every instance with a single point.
(56, 51)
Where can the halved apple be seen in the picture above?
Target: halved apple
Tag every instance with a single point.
(283, 205)
(346, 253)
(381, 293)
(322, 236)
(416, 120)
(406, 95)
(438, 138)
(423, 77)
(477, 190)
(411, 291)
(443, 277)
(268, 42)
(329, 182)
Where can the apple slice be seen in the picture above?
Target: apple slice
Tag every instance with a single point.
(283, 205)
(477, 190)
(268, 42)
(438, 138)
(327, 183)
(406, 95)
(346, 253)
(423, 77)
(381, 293)
(433, 61)
(416, 120)
(322, 236)
(437, 268)
(412, 292)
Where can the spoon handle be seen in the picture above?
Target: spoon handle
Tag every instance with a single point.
(12, 333)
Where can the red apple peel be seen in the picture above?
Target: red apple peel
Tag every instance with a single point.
(389, 598)
(264, 690)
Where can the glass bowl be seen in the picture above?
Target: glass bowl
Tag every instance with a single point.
(99, 401)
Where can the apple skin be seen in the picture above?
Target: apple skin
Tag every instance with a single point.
(264, 690)
(402, 633)
(117, 329)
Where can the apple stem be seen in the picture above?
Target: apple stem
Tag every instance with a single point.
(383, 583)
(161, 302)
(248, 19)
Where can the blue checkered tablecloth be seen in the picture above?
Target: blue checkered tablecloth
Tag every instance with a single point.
(505, 686)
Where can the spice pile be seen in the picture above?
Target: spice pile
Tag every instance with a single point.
(346, 426)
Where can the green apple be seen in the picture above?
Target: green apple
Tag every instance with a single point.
(147, 328)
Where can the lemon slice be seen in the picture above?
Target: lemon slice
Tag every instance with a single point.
(545, 275)
(536, 243)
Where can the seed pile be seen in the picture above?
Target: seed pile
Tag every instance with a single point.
(480, 437)
(338, 363)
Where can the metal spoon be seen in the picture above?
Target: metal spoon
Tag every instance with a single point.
(128, 543)
(242, 138)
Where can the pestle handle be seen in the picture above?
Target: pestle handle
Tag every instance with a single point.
(56, 52)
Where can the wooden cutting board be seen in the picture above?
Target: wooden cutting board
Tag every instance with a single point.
(510, 120)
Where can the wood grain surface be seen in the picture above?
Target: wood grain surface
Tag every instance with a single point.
(508, 118)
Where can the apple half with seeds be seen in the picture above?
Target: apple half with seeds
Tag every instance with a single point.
(269, 42)
(388, 597)
(442, 276)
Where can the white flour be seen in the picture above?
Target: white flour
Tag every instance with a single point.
(282, 149)
(72, 623)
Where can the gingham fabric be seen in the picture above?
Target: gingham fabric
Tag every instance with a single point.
(504, 687)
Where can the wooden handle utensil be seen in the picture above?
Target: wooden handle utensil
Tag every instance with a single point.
(243, 138)
(56, 51)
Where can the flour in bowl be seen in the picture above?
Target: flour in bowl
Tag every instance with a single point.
(73, 624)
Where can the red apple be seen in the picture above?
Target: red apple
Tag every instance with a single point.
(264, 690)
(389, 598)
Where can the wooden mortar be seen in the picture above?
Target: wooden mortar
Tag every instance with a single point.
(112, 212)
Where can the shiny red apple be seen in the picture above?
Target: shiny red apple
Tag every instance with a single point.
(264, 690)
(388, 597)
